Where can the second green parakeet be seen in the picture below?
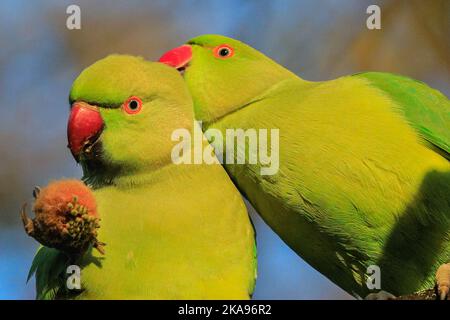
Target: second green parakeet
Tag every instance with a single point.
(171, 231)
(363, 177)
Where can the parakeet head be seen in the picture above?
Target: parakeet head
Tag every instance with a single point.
(123, 112)
(223, 74)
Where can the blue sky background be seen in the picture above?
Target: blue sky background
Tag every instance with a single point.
(319, 40)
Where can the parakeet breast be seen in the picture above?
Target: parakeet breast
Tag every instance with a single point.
(356, 186)
(173, 238)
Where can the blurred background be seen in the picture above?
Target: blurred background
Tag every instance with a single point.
(317, 39)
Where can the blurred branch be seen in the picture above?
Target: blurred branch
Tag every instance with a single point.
(429, 294)
(435, 29)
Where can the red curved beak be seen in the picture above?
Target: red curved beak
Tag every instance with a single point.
(178, 57)
(85, 125)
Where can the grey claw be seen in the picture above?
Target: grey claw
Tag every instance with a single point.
(27, 222)
(36, 191)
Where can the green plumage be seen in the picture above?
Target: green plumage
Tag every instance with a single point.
(363, 177)
(172, 231)
(49, 265)
(423, 107)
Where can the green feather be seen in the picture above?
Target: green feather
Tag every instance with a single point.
(361, 179)
(426, 109)
(49, 266)
(197, 247)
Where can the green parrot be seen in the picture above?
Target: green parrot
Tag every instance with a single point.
(172, 231)
(364, 174)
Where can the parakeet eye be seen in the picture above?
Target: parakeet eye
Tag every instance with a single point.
(223, 51)
(133, 105)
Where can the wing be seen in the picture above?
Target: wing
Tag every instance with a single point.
(49, 267)
(427, 110)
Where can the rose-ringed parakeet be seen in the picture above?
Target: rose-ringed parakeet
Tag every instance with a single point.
(172, 231)
(364, 172)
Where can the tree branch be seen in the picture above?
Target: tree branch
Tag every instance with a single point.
(429, 294)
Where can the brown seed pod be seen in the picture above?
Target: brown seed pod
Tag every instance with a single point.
(65, 217)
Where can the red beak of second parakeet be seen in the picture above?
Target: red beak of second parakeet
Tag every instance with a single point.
(84, 128)
(178, 58)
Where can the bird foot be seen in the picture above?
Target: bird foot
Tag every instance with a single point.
(443, 281)
(380, 295)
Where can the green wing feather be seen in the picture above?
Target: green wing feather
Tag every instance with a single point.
(426, 109)
(49, 266)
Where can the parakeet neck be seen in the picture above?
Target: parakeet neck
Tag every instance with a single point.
(98, 174)
(144, 178)
(212, 105)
